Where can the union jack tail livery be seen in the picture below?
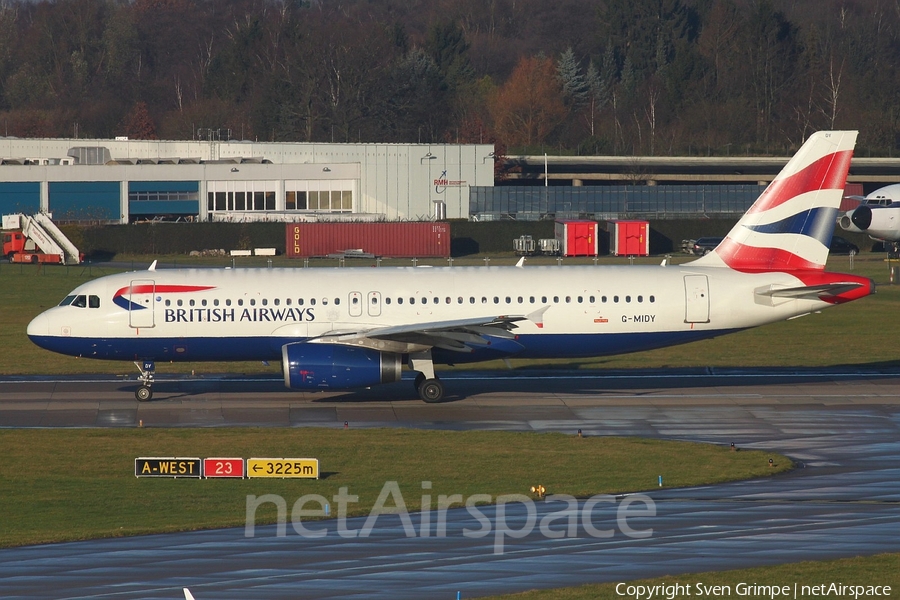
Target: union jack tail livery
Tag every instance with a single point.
(790, 225)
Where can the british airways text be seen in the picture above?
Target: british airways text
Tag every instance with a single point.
(230, 315)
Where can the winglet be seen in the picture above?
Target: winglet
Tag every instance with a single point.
(537, 317)
(521, 262)
(187, 593)
(152, 267)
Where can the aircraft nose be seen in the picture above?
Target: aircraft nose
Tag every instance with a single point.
(39, 326)
(862, 217)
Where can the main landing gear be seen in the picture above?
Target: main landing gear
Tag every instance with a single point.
(428, 386)
(144, 392)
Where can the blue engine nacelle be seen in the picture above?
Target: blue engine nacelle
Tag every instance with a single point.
(329, 366)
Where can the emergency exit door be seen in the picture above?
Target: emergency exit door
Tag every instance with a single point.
(696, 292)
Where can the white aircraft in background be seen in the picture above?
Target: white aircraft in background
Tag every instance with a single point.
(187, 594)
(878, 215)
(346, 328)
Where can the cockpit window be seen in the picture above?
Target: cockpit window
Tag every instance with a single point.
(67, 301)
(94, 301)
(80, 301)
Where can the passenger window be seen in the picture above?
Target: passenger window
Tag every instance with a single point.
(640, 298)
(216, 302)
(471, 299)
(652, 299)
(484, 299)
(203, 302)
(179, 302)
(240, 302)
(80, 302)
(568, 299)
(337, 301)
(374, 300)
(496, 300)
(591, 299)
(555, 299)
(399, 300)
(437, 300)
(544, 299)
(252, 301)
(627, 298)
(276, 301)
(603, 299)
(531, 299)
(387, 300)
(324, 301)
(355, 300)
(168, 302)
(520, 299)
(580, 299)
(412, 300)
(287, 301)
(94, 301)
(615, 298)
(447, 300)
(228, 302)
(459, 300)
(265, 302)
(508, 300)
(312, 301)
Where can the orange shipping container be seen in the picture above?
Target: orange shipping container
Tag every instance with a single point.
(398, 240)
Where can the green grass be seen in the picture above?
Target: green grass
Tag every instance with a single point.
(882, 569)
(65, 484)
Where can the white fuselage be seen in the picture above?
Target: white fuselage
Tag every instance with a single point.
(244, 314)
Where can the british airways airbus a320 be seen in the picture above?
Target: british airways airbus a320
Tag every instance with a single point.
(346, 328)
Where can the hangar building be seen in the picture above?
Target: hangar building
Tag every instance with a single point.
(125, 180)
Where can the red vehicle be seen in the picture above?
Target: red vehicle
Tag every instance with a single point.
(36, 240)
(15, 250)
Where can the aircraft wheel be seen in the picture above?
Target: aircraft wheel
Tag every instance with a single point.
(143, 393)
(431, 390)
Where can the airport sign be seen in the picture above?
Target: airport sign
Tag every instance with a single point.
(223, 467)
(168, 467)
(302, 468)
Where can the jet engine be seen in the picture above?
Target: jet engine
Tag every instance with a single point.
(330, 366)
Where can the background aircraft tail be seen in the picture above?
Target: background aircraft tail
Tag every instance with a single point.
(790, 225)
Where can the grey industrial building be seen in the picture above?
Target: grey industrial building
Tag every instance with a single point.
(125, 180)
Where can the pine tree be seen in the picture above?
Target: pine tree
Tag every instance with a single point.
(574, 87)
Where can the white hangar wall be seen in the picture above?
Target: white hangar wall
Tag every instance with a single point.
(392, 181)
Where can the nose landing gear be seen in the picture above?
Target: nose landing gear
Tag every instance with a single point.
(144, 391)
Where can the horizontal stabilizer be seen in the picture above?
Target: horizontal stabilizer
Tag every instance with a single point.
(810, 292)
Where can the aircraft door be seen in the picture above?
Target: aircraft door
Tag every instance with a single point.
(140, 307)
(374, 304)
(355, 304)
(696, 291)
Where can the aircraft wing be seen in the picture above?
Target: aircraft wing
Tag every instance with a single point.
(460, 335)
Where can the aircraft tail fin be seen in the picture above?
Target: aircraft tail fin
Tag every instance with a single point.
(187, 594)
(790, 225)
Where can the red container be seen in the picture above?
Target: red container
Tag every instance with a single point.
(398, 240)
(577, 238)
(629, 238)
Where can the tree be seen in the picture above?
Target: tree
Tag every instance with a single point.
(574, 87)
(529, 106)
(137, 124)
